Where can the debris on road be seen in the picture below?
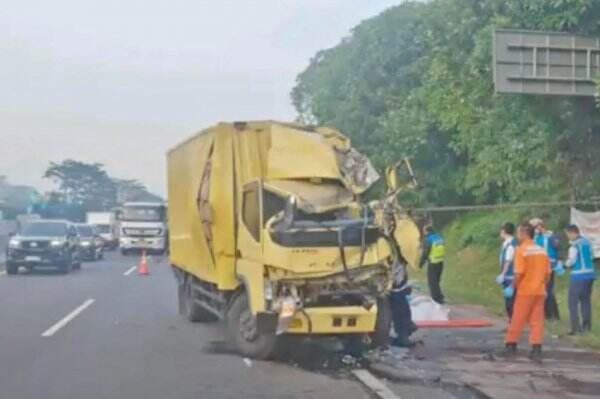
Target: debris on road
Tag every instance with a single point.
(348, 360)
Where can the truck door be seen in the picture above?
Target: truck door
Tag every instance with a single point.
(249, 231)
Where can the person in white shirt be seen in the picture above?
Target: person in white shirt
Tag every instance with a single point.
(507, 257)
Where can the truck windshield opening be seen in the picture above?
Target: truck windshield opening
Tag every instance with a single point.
(142, 214)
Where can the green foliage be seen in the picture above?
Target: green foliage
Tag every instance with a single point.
(14, 199)
(88, 187)
(417, 81)
(84, 184)
(133, 190)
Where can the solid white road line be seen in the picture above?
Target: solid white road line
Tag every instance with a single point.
(129, 271)
(374, 384)
(65, 320)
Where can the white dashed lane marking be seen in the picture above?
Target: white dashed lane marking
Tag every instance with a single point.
(375, 385)
(129, 271)
(65, 320)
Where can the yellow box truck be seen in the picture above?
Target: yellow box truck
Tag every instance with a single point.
(269, 233)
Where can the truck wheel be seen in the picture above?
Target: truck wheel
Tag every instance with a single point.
(383, 323)
(11, 268)
(189, 306)
(242, 331)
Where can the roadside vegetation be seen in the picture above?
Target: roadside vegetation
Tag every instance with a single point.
(416, 81)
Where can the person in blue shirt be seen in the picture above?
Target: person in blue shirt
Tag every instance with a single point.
(580, 261)
(551, 244)
(400, 307)
(507, 258)
(433, 254)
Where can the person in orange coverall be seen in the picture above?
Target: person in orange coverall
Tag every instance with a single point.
(532, 273)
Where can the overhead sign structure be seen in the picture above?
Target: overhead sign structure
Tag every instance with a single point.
(546, 63)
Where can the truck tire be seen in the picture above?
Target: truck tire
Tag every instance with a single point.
(190, 308)
(11, 268)
(383, 323)
(242, 332)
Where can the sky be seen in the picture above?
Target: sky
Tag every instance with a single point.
(121, 82)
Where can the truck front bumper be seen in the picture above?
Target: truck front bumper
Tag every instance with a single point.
(334, 320)
(149, 243)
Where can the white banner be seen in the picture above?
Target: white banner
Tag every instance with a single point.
(589, 224)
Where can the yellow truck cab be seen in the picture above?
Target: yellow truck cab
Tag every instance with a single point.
(268, 232)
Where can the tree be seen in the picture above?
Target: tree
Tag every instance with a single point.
(417, 81)
(133, 190)
(15, 199)
(86, 185)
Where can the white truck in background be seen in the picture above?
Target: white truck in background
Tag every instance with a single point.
(106, 224)
(143, 227)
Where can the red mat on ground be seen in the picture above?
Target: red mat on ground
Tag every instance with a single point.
(454, 323)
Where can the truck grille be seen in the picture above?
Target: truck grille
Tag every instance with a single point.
(35, 245)
(141, 232)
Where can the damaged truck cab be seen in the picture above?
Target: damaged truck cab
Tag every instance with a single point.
(269, 232)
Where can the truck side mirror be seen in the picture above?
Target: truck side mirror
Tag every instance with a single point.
(400, 176)
(289, 211)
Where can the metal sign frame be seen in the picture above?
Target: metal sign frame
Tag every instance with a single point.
(545, 63)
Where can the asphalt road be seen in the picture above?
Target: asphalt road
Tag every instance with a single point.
(122, 338)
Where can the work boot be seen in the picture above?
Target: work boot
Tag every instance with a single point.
(573, 333)
(536, 353)
(412, 328)
(587, 327)
(510, 350)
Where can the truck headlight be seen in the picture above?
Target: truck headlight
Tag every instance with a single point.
(85, 243)
(14, 243)
(57, 243)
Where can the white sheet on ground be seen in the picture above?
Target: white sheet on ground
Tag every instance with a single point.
(424, 308)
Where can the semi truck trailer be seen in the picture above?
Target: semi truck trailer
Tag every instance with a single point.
(270, 232)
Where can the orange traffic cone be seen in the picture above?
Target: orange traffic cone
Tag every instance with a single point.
(143, 266)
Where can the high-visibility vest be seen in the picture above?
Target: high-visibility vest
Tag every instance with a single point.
(545, 241)
(583, 269)
(438, 251)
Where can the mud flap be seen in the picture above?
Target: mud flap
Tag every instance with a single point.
(266, 322)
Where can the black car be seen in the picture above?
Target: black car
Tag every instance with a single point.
(91, 244)
(44, 243)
